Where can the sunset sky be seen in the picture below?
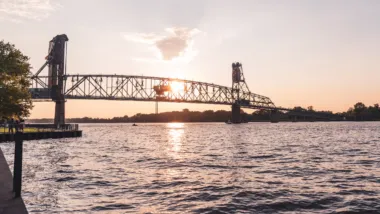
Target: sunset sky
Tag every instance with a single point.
(324, 53)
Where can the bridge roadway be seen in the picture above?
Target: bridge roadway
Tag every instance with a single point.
(145, 88)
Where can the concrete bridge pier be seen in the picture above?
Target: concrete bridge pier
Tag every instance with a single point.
(59, 117)
(236, 117)
(274, 116)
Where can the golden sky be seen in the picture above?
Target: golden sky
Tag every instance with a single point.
(298, 53)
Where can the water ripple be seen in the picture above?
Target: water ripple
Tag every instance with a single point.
(206, 168)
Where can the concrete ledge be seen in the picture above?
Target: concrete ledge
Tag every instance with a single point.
(41, 135)
(8, 204)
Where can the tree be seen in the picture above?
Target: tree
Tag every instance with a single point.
(310, 108)
(15, 99)
(375, 112)
(359, 109)
(299, 109)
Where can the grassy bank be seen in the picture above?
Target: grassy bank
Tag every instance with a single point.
(26, 130)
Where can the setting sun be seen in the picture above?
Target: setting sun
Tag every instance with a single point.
(176, 86)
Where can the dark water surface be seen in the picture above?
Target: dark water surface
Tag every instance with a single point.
(206, 168)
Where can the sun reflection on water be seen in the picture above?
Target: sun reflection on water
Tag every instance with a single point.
(176, 125)
(175, 135)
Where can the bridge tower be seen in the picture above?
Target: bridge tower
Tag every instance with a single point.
(238, 86)
(56, 61)
(274, 116)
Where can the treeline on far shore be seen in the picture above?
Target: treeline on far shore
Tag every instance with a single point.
(359, 112)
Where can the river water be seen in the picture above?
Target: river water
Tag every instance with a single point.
(206, 168)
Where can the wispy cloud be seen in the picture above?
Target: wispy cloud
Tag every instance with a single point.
(19, 10)
(176, 44)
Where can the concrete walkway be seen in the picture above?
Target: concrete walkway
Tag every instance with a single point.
(8, 204)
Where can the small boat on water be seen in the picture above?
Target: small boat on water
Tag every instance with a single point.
(228, 122)
(134, 124)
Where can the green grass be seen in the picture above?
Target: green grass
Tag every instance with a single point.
(26, 130)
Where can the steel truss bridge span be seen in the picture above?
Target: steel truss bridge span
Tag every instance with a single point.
(58, 86)
(147, 88)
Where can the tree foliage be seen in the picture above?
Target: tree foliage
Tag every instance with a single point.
(15, 99)
(360, 112)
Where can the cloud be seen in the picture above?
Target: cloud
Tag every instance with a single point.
(175, 45)
(17, 10)
(142, 38)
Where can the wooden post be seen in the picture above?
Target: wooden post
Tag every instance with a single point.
(17, 170)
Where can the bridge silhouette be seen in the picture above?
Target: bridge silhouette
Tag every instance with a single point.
(58, 86)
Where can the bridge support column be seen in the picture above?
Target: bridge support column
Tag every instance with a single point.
(59, 117)
(236, 118)
(274, 116)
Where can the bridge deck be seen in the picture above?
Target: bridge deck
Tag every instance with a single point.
(8, 204)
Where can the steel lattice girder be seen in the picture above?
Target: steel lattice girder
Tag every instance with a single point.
(143, 88)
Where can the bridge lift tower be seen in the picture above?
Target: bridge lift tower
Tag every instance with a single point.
(56, 62)
(238, 86)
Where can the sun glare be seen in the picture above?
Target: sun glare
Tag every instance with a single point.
(176, 86)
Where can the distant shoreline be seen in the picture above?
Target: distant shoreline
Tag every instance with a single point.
(360, 112)
(140, 122)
